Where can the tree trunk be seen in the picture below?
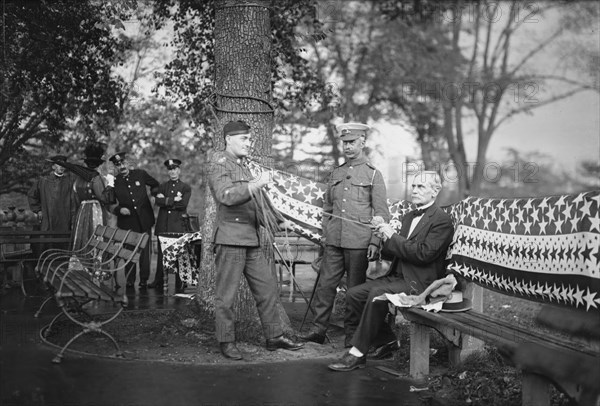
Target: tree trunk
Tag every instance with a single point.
(243, 92)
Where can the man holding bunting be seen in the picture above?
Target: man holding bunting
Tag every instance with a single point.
(355, 195)
(236, 243)
(419, 252)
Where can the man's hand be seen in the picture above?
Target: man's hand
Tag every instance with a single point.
(263, 179)
(384, 231)
(372, 252)
(286, 225)
(124, 211)
(178, 197)
(160, 196)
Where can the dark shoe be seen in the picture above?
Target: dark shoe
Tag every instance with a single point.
(143, 285)
(283, 343)
(348, 363)
(130, 284)
(314, 337)
(230, 350)
(385, 350)
(156, 284)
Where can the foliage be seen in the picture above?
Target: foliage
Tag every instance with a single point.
(188, 78)
(56, 71)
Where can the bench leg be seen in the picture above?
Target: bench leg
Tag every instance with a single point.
(37, 314)
(89, 327)
(535, 390)
(419, 351)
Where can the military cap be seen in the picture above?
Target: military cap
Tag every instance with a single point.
(117, 158)
(235, 128)
(57, 158)
(172, 163)
(351, 131)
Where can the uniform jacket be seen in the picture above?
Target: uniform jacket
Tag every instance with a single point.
(237, 220)
(420, 258)
(170, 212)
(355, 191)
(55, 198)
(130, 192)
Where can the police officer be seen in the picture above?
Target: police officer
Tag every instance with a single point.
(236, 243)
(355, 195)
(172, 198)
(134, 210)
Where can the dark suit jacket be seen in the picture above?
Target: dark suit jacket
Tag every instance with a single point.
(170, 213)
(131, 193)
(237, 218)
(420, 259)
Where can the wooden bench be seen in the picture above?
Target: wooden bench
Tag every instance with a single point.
(570, 360)
(74, 279)
(290, 251)
(18, 248)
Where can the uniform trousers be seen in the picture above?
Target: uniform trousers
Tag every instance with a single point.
(365, 318)
(231, 262)
(337, 261)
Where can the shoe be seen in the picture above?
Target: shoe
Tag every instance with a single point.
(283, 343)
(348, 363)
(130, 284)
(143, 285)
(314, 337)
(385, 350)
(230, 350)
(156, 284)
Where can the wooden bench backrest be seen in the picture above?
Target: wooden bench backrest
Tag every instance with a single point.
(120, 244)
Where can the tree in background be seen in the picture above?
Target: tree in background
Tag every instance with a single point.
(56, 74)
(499, 82)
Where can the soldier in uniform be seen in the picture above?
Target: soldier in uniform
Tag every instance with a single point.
(236, 243)
(134, 210)
(355, 194)
(52, 197)
(172, 198)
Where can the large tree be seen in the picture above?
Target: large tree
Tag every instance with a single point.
(56, 70)
(242, 91)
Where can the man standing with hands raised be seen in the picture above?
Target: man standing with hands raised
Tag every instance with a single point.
(236, 243)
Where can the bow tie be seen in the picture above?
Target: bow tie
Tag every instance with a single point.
(419, 212)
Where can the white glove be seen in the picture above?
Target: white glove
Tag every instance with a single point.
(110, 180)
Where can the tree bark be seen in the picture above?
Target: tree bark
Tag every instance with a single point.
(243, 92)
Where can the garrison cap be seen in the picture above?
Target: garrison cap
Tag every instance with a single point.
(351, 131)
(235, 128)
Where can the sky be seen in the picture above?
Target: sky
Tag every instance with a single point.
(567, 131)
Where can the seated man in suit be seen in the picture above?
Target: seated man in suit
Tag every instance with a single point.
(419, 254)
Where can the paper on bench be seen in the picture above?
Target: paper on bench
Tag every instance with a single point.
(404, 300)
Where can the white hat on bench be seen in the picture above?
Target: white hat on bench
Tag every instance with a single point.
(456, 303)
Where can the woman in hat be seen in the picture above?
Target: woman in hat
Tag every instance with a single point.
(89, 187)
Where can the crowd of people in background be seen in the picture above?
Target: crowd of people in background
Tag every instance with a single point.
(78, 198)
(355, 228)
